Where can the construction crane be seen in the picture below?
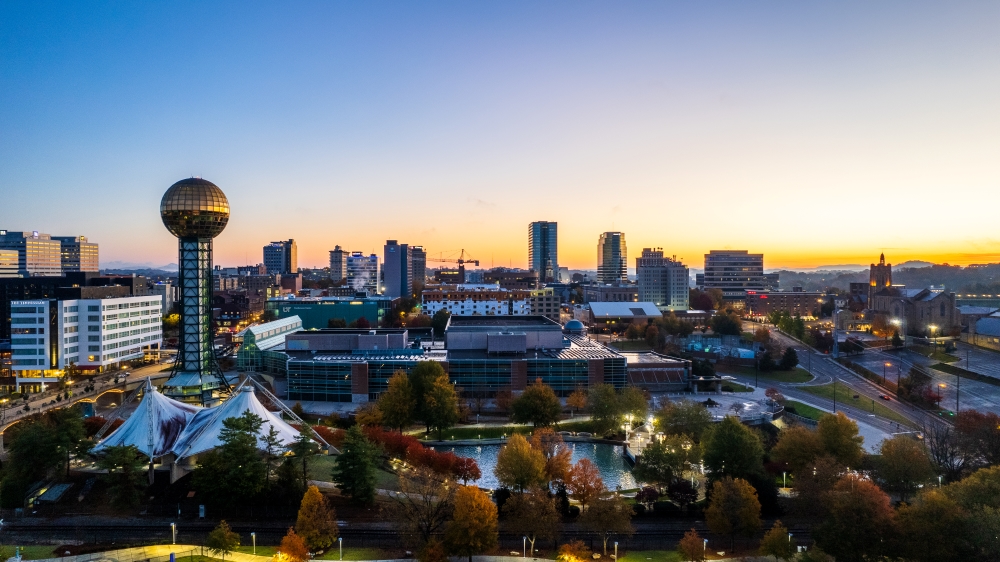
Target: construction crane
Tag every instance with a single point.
(461, 260)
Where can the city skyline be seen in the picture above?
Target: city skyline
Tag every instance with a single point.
(816, 135)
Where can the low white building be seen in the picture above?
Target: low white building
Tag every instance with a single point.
(48, 336)
(477, 300)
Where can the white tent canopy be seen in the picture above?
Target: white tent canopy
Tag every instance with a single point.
(154, 426)
(202, 432)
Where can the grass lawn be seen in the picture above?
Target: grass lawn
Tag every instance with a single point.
(845, 395)
(34, 552)
(653, 555)
(320, 467)
(355, 554)
(934, 353)
(965, 374)
(458, 433)
(805, 410)
(795, 375)
(737, 387)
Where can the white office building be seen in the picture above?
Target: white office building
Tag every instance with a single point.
(49, 336)
(477, 300)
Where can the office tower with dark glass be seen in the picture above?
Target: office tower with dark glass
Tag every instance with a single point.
(543, 250)
(612, 258)
(662, 281)
(195, 211)
(338, 263)
(734, 272)
(77, 254)
(397, 269)
(281, 257)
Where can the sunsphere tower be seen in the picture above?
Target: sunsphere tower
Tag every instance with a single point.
(195, 211)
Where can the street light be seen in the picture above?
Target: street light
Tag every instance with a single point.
(784, 479)
(340, 543)
(789, 538)
(884, 365)
(253, 537)
(524, 546)
(704, 547)
(616, 551)
(173, 533)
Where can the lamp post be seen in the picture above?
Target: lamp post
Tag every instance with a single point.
(616, 551)
(789, 538)
(253, 537)
(173, 533)
(884, 365)
(524, 546)
(340, 544)
(784, 479)
(704, 547)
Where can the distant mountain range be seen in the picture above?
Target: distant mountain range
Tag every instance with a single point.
(134, 265)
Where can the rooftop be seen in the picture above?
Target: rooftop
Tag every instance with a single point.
(624, 309)
(502, 322)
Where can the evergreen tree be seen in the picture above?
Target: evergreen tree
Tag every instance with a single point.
(354, 472)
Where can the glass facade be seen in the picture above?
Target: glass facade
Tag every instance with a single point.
(318, 380)
(194, 208)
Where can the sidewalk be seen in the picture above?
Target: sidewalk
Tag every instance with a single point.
(156, 553)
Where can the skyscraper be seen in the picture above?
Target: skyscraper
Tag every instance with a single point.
(282, 257)
(543, 250)
(419, 264)
(612, 258)
(338, 263)
(195, 211)
(362, 272)
(77, 254)
(37, 253)
(662, 280)
(734, 272)
(397, 269)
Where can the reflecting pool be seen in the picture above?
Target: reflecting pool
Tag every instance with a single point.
(609, 460)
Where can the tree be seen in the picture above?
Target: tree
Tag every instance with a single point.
(577, 401)
(652, 336)
(733, 509)
(684, 417)
(354, 472)
(317, 521)
(273, 449)
(692, 547)
(797, 447)
(726, 323)
(520, 466)
(558, 459)
(504, 399)
(292, 549)
(902, 465)
(235, 472)
(304, 447)
(633, 332)
(609, 516)
(537, 405)
(473, 528)
(777, 543)
(424, 503)
(440, 321)
(585, 484)
(789, 360)
(934, 528)
(979, 435)
(369, 415)
(441, 404)
(576, 551)
(633, 404)
(532, 514)
(467, 470)
(222, 540)
(662, 461)
(397, 403)
(647, 496)
(861, 523)
(896, 340)
(123, 464)
(733, 449)
(839, 435)
(682, 492)
(336, 323)
(604, 408)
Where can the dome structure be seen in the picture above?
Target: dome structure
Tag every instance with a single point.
(194, 208)
(575, 327)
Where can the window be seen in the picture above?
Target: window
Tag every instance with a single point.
(25, 352)
(24, 310)
(93, 319)
(93, 308)
(93, 348)
(93, 328)
(23, 321)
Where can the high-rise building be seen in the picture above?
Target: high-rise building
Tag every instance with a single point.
(543, 250)
(734, 272)
(77, 254)
(195, 211)
(662, 280)
(419, 264)
(37, 253)
(363, 272)
(9, 263)
(612, 258)
(397, 269)
(281, 257)
(338, 263)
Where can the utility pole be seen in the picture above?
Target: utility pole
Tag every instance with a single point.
(834, 394)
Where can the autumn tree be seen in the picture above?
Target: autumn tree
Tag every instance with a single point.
(222, 540)
(519, 466)
(577, 401)
(902, 464)
(733, 509)
(369, 415)
(576, 551)
(467, 470)
(558, 459)
(812, 483)
(840, 438)
(609, 516)
(354, 472)
(585, 484)
(797, 447)
(317, 521)
(684, 417)
(537, 405)
(860, 524)
(397, 403)
(934, 527)
(692, 547)
(424, 503)
(777, 543)
(292, 549)
(473, 528)
(532, 514)
(440, 404)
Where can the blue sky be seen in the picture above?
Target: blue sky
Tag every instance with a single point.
(813, 133)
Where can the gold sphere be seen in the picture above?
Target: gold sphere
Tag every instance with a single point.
(194, 208)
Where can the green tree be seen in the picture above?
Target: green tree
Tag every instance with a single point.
(273, 452)
(841, 440)
(936, 528)
(609, 516)
(633, 332)
(354, 472)
(537, 405)
(519, 465)
(397, 402)
(316, 522)
(632, 404)
(222, 540)
(440, 321)
(441, 405)
(235, 472)
(684, 417)
(777, 543)
(789, 360)
(902, 465)
(733, 509)
(33, 451)
(733, 449)
(473, 528)
(532, 514)
(662, 461)
(124, 464)
(727, 323)
(605, 409)
(303, 448)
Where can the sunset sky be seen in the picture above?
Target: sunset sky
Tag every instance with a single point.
(816, 133)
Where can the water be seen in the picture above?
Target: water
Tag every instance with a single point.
(608, 459)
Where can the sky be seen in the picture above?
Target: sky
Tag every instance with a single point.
(815, 133)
